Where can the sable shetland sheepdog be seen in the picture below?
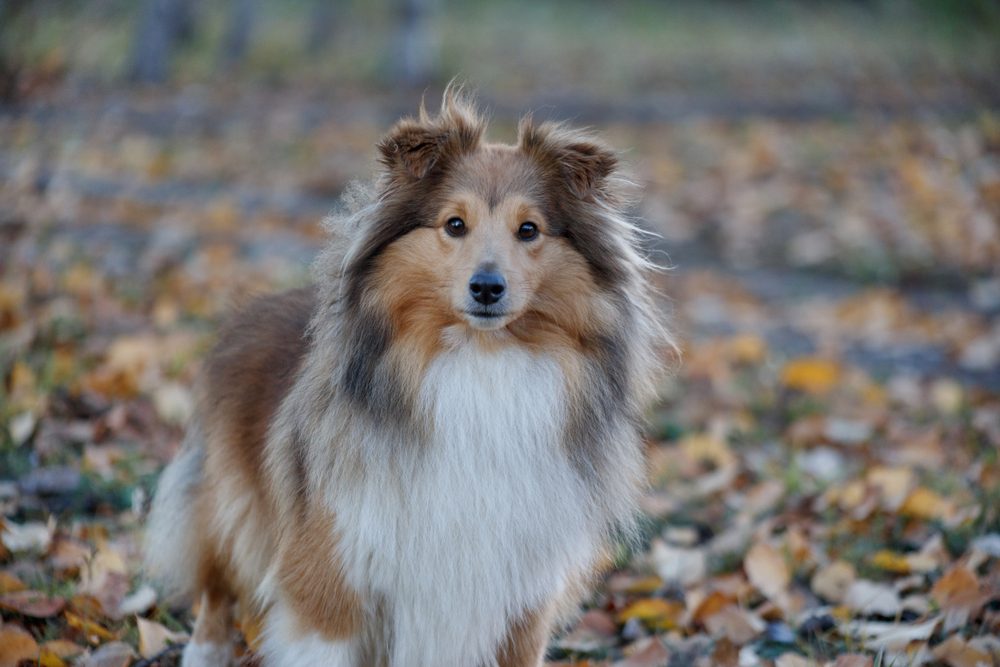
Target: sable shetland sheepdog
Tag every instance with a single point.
(420, 461)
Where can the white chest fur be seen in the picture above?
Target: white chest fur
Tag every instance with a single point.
(479, 525)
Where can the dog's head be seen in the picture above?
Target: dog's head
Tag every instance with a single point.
(491, 236)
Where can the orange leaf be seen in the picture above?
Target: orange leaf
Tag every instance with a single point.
(926, 504)
(16, 645)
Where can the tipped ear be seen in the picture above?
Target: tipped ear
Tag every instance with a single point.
(411, 148)
(584, 163)
(415, 146)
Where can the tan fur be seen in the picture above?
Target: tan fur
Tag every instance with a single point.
(524, 645)
(313, 580)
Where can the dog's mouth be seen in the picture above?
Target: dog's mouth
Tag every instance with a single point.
(483, 318)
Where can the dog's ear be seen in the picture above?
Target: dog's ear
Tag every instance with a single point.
(415, 146)
(584, 163)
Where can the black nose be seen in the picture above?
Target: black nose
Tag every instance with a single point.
(487, 287)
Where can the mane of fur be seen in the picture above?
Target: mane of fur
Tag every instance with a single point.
(589, 198)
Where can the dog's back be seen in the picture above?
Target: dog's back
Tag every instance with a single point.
(190, 536)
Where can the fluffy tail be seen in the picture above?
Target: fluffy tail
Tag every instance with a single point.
(171, 545)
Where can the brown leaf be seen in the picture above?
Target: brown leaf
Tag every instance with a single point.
(956, 652)
(737, 625)
(10, 583)
(959, 596)
(62, 648)
(852, 660)
(16, 645)
(32, 603)
(767, 570)
(725, 654)
(648, 652)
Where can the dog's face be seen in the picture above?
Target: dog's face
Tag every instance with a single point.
(490, 246)
(486, 234)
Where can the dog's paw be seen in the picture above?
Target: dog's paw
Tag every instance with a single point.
(207, 654)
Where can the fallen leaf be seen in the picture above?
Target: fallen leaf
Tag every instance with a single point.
(868, 597)
(656, 613)
(685, 566)
(926, 504)
(958, 594)
(93, 632)
(650, 652)
(894, 636)
(890, 561)
(154, 637)
(892, 484)
(62, 648)
(32, 603)
(31, 536)
(767, 570)
(595, 631)
(737, 625)
(113, 654)
(956, 652)
(16, 645)
(811, 375)
(10, 584)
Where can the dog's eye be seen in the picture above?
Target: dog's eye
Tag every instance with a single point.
(455, 227)
(528, 231)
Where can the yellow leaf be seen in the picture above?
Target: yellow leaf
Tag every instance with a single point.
(926, 504)
(94, 632)
(747, 349)
(49, 659)
(645, 585)
(891, 562)
(811, 375)
(656, 613)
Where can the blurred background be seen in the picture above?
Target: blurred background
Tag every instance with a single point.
(824, 180)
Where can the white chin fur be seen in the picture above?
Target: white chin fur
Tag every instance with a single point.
(487, 323)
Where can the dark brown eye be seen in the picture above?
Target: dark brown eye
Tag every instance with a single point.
(455, 227)
(528, 231)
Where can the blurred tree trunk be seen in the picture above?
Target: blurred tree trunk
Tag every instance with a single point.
(242, 16)
(162, 25)
(416, 42)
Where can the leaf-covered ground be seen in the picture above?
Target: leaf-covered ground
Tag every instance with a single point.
(824, 463)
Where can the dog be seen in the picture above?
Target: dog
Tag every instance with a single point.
(423, 459)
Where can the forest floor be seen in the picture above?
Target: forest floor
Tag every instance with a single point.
(824, 462)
